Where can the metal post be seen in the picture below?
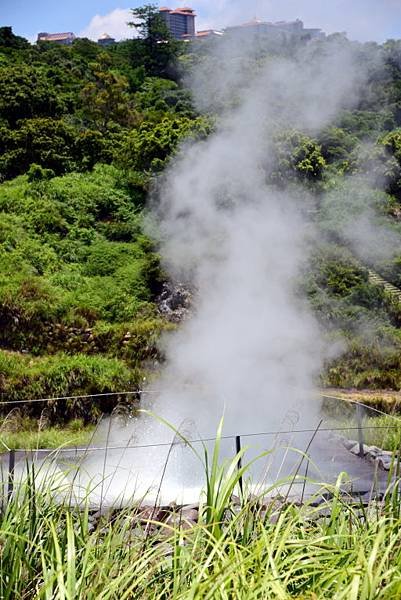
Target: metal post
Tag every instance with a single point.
(11, 469)
(359, 418)
(305, 477)
(239, 463)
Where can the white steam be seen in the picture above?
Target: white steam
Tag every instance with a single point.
(251, 351)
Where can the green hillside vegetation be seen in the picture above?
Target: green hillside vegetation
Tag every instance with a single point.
(84, 132)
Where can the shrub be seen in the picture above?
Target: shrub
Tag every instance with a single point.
(26, 378)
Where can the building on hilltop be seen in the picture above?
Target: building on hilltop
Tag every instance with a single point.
(64, 39)
(106, 40)
(289, 26)
(207, 34)
(313, 34)
(255, 26)
(180, 22)
(283, 29)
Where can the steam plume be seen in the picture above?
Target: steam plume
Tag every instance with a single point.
(251, 350)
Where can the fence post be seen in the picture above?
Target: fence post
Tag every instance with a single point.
(359, 417)
(305, 477)
(239, 463)
(11, 469)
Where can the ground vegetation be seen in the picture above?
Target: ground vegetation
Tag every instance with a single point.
(85, 131)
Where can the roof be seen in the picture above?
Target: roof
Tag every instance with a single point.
(185, 12)
(253, 23)
(208, 32)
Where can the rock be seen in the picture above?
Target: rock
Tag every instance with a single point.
(355, 449)
(372, 450)
(384, 462)
(175, 302)
(348, 444)
(178, 521)
(104, 512)
(371, 459)
(150, 513)
(191, 506)
(191, 514)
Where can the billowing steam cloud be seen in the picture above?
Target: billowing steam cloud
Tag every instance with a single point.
(251, 344)
(251, 350)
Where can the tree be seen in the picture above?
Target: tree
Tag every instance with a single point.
(49, 143)
(392, 163)
(149, 24)
(26, 92)
(86, 49)
(336, 143)
(106, 98)
(159, 95)
(9, 40)
(156, 48)
(149, 146)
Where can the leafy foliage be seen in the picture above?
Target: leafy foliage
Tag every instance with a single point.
(60, 375)
(26, 93)
(84, 130)
(9, 40)
(296, 157)
(149, 146)
(105, 99)
(77, 275)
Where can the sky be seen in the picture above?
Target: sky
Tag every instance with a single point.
(362, 19)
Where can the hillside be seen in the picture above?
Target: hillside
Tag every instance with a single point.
(84, 134)
(80, 143)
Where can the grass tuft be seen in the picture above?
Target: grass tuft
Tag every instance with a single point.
(265, 548)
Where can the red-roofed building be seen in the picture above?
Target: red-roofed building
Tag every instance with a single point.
(208, 34)
(180, 22)
(65, 39)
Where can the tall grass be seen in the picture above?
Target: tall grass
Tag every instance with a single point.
(29, 434)
(260, 549)
(383, 431)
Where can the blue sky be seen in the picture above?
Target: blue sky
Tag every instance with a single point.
(362, 19)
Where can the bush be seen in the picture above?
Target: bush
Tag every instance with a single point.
(296, 156)
(25, 378)
(59, 272)
(149, 146)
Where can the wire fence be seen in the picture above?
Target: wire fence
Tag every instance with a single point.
(158, 393)
(127, 469)
(341, 428)
(324, 428)
(207, 440)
